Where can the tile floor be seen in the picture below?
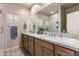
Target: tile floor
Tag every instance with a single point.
(14, 52)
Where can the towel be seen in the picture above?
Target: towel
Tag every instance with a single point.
(13, 32)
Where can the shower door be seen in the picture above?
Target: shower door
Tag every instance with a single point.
(6, 21)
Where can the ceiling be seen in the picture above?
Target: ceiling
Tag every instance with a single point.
(29, 5)
(55, 7)
(68, 5)
(47, 10)
(50, 7)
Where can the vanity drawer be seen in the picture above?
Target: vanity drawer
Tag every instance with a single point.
(64, 51)
(47, 52)
(44, 44)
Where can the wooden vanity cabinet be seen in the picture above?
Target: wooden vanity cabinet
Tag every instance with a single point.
(38, 50)
(42, 51)
(77, 53)
(31, 46)
(43, 48)
(38, 47)
(25, 43)
(45, 44)
(61, 51)
(47, 52)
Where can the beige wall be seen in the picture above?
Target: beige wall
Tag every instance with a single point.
(62, 19)
(24, 16)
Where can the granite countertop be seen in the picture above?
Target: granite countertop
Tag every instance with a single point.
(61, 41)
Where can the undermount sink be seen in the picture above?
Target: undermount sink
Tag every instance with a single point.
(62, 39)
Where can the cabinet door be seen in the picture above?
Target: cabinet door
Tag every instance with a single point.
(77, 53)
(22, 40)
(47, 52)
(38, 50)
(45, 44)
(31, 52)
(31, 42)
(26, 43)
(64, 51)
(31, 46)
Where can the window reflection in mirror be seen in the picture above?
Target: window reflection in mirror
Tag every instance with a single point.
(73, 22)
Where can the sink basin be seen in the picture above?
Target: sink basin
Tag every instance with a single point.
(68, 40)
(58, 38)
(63, 39)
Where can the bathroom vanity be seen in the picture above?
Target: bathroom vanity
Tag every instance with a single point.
(40, 45)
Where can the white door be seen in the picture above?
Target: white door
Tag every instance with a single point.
(1, 33)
